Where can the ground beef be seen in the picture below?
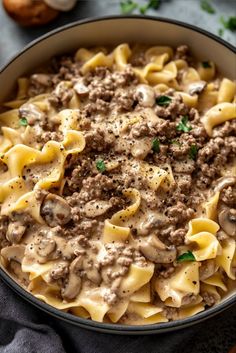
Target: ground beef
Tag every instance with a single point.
(209, 299)
(177, 237)
(99, 140)
(179, 213)
(61, 270)
(226, 129)
(173, 110)
(39, 83)
(123, 100)
(182, 52)
(165, 270)
(228, 196)
(50, 135)
(94, 187)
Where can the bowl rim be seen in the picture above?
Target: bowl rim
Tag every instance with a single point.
(88, 323)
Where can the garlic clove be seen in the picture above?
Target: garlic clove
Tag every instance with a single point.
(61, 5)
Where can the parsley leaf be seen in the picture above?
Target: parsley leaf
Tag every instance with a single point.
(175, 142)
(230, 23)
(163, 101)
(156, 145)
(101, 167)
(206, 64)
(193, 152)
(128, 6)
(206, 6)
(220, 32)
(23, 122)
(152, 4)
(187, 256)
(183, 125)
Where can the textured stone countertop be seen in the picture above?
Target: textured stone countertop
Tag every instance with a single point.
(13, 37)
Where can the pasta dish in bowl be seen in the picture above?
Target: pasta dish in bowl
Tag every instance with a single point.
(118, 184)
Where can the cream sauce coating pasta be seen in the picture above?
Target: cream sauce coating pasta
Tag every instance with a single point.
(118, 184)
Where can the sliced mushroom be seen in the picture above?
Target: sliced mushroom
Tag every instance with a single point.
(15, 232)
(42, 79)
(31, 112)
(145, 95)
(224, 182)
(81, 89)
(13, 252)
(55, 210)
(196, 87)
(154, 220)
(154, 250)
(227, 220)
(207, 269)
(92, 272)
(45, 247)
(96, 208)
(73, 284)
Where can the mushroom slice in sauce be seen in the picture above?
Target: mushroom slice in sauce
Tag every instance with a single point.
(31, 112)
(81, 89)
(145, 95)
(207, 269)
(15, 232)
(227, 220)
(73, 284)
(224, 182)
(96, 208)
(55, 210)
(196, 87)
(13, 252)
(45, 247)
(154, 250)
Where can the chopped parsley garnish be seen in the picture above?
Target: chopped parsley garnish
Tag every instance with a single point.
(193, 152)
(220, 32)
(175, 142)
(183, 125)
(128, 6)
(206, 64)
(206, 6)
(163, 101)
(23, 122)
(187, 256)
(152, 4)
(156, 145)
(101, 167)
(230, 23)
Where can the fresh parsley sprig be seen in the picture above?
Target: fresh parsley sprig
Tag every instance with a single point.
(163, 101)
(100, 165)
(193, 152)
(128, 6)
(23, 122)
(184, 125)
(156, 145)
(187, 256)
(206, 6)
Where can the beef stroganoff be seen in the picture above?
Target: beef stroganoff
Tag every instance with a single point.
(118, 184)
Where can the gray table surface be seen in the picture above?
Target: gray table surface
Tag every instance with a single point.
(13, 37)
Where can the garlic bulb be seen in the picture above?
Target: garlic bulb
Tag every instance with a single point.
(61, 5)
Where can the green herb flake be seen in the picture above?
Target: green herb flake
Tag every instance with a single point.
(183, 125)
(156, 145)
(100, 165)
(152, 4)
(175, 142)
(193, 152)
(128, 6)
(23, 122)
(163, 101)
(206, 6)
(187, 256)
(220, 32)
(230, 23)
(206, 64)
